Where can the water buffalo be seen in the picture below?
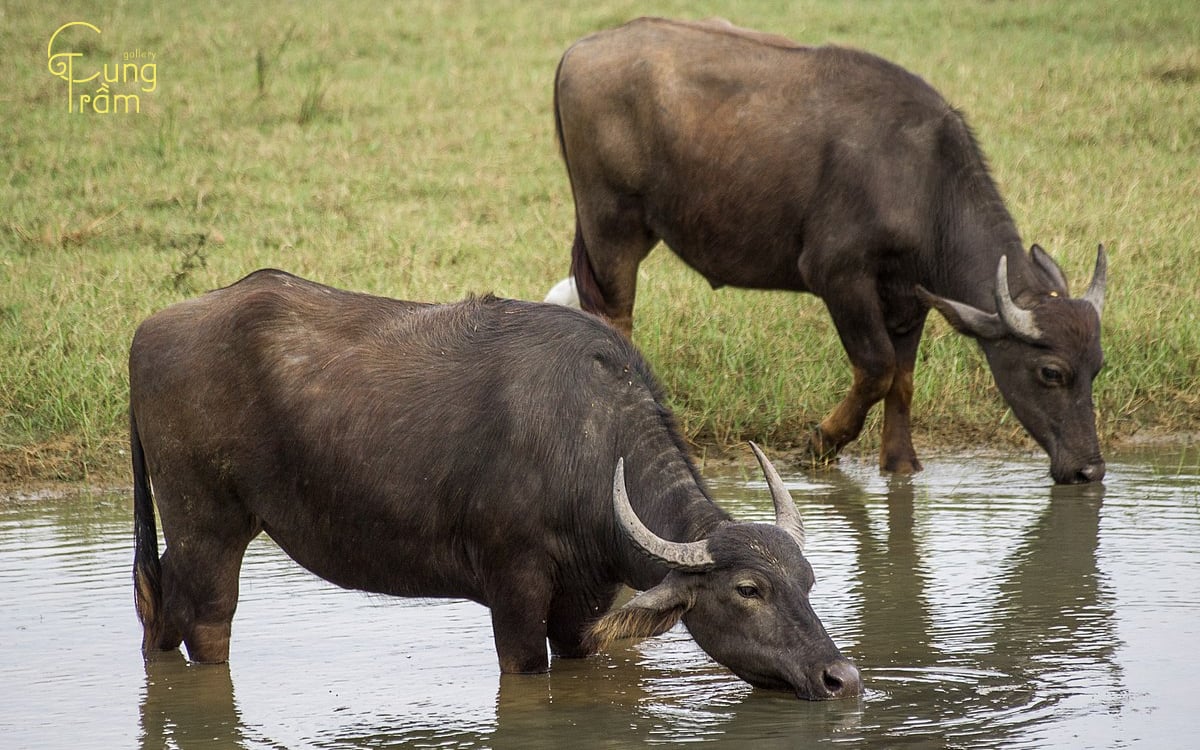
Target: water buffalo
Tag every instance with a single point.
(516, 454)
(766, 164)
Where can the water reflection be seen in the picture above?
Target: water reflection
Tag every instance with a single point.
(895, 623)
(631, 696)
(1048, 631)
(1055, 622)
(188, 705)
(984, 608)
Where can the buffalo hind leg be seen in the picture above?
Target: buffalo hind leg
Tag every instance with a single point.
(207, 530)
(159, 632)
(200, 593)
(610, 242)
(201, 564)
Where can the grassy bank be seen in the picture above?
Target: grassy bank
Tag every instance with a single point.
(408, 150)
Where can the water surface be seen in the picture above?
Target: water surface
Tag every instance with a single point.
(984, 606)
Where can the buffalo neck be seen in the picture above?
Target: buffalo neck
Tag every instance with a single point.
(974, 228)
(669, 497)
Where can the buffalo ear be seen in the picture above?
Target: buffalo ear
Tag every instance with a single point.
(967, 320)
(1051, 272)
(650, 613)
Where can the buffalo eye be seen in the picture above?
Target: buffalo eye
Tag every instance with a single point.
(1052, 375)
(748, 591)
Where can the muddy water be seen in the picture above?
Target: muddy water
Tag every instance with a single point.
(985, 608)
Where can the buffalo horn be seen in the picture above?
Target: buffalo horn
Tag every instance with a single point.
(1095, 290)
(690, 557)
(786, 515)
(1019, 321)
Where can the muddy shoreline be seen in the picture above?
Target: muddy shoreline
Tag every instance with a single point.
(32, 474)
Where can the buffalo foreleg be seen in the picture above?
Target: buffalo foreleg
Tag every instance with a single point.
(864, 336)
(572, 613)
(896, 452)
(519, 605)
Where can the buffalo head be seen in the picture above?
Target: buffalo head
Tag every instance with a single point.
(1044, 355)
(743, 595)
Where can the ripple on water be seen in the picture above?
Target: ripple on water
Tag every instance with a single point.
(951, 702)
(984, 607)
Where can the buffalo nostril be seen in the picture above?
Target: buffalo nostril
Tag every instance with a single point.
(1090, 473)
(841, 679)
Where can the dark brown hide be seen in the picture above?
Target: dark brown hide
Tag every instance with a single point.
(766, 164)
(460, 450)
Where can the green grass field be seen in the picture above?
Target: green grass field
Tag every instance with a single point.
(407, 149)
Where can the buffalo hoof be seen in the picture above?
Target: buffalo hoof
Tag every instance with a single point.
(900, 465)
(820, 451)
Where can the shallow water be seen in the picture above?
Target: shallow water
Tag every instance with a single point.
(984, 607)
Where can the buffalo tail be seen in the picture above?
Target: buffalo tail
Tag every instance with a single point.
(147, 570)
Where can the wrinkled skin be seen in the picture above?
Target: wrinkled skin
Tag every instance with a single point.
(751, 574)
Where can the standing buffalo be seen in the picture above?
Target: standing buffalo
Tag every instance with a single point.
(766, 164)
(481, 450)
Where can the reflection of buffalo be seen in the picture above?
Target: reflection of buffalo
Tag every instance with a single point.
(628, 695)
(188, 706)
(1054, 613)
(634, 696)
(462, 450)
(766, 164)
(895, 623)
(1048, 629)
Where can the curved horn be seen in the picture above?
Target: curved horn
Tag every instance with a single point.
(1018, 320)
(1095, 290)
(690, 557)
(786, 515)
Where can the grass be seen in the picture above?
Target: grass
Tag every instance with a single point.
(408, 150)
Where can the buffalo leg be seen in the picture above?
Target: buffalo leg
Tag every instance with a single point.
(610, 242)
(570, 615)
(159, 631)
(896, 452)
(860, 326)
(206, 538)
(200, 595)
(519, 624)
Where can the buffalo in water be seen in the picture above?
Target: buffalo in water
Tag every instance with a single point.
(512, 453)
(766, 164)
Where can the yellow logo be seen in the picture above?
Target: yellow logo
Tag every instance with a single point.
(137, 70)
